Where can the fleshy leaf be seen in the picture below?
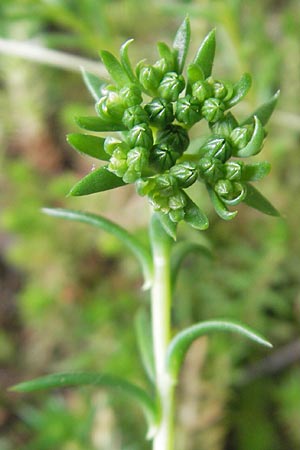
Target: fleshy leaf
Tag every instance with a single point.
(181, 43)
(182, 342)
(98, 180)
(255, 144)
(126, 62)
(264, 111)
(255, 171)
(220, 207)
(138, 249)
(145, 344)
(206, 53)
(257, 201)
(240, 89)
(93, 83)
(93, 123)
(114, 68)
(194, 216)
(168, 225)
(88, 145)
(62, 380)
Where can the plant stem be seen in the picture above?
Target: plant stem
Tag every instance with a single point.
(161, 330)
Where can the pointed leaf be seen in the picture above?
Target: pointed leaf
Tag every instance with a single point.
(93, 83)
(88, 145)
(194, 74)
(168, 225)
(219, 205)
(194, 216)
(114, 68)
(240, 89)
(97, 180)
(257, 201)
(206, 53)
(125, 61)
(145, 344)
(255, 171)
(264, 112)
(181, 43)
(92, 123)
(62, 380)
(139, 250)
(181, 343)
(165, 52)
(255, 144)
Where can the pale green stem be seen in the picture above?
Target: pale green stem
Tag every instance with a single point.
(161, 330)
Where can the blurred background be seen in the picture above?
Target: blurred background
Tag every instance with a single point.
(68, 293)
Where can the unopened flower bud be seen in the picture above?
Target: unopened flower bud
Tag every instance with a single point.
(239, 137)
(188, 110)
(213, 109)
(175, 137)
(224, 127)
(171, 86)
(163, 157)
(160, 112)
(210, 170)
(134, 115)
(111, 144)
(131, 95)
(115, 105)
(137, 161)
(217, 148)
(202, 90)
(150, 77)
(118, 163)
(185, 173)
(233, 170)
(140, 136)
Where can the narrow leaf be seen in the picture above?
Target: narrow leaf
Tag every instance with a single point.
(257, 201)
(182, 342)
(181, 43)
(166, 53)
(255, 171)
(206, 53)
(92, 123)
(145, 344)
(240, 89)
(93, 83)
(194, 74)
(125, 61)
(220, 207)
(138, 249)
(62, 380)
(168, 225)
(88, 145)
(255, 144)
(194, 216)
(98, 180)
(264, 111)
(114, 68)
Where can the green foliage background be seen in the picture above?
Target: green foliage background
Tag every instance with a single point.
(68, 295)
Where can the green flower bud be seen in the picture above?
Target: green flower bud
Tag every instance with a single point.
(134, 115)
(118, 163)
(175, 137)
(160, 112)
(213, 109)
(185, 173)
(102, 110)
(239, 137)
(202, 90)
(163, 157)
(230, 192)
(188, 110)
(211, 170)
(217, 148)
(162, 66)
(176, 215)
(165, 184)
(137, 161)
(150, 78)
(224, 126)
(111, 144)
(233, 170)
(177, 201)
(140, 136)
(222, 90)
(115, 105)
(159, 203)
(171, 86)
(131, 95)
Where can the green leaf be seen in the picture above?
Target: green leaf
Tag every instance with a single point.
(88, 145)
(93, 83)
(264, 112)
(181, 43)
(255, 171)
(145, 344)
(125, 61)
(98, 180)
(182, 341)
(165, 52)
(255, 144)
(206, 53)
(114, 68)
(138, 249)
(194, 74)
(220, 207)
(168, 225)
(62, 380)
(180, 251)
(93, 123)
(240, 89)
(257, 201)
(194, 216)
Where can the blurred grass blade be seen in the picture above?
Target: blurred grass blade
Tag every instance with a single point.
(240, 89)
(98, 180)
(255, 144)
(255, 171)
(88, 145)
(114, 68)
(206, 53)
(194, 216)
(145, 344)
(180, 251)
(138, 249)
(264, 111)
(62, 380)
(181, 43)
(257, 201)
(93, 123)
(182, 342)
(125, 61)
(93, 83)
(220, 207)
